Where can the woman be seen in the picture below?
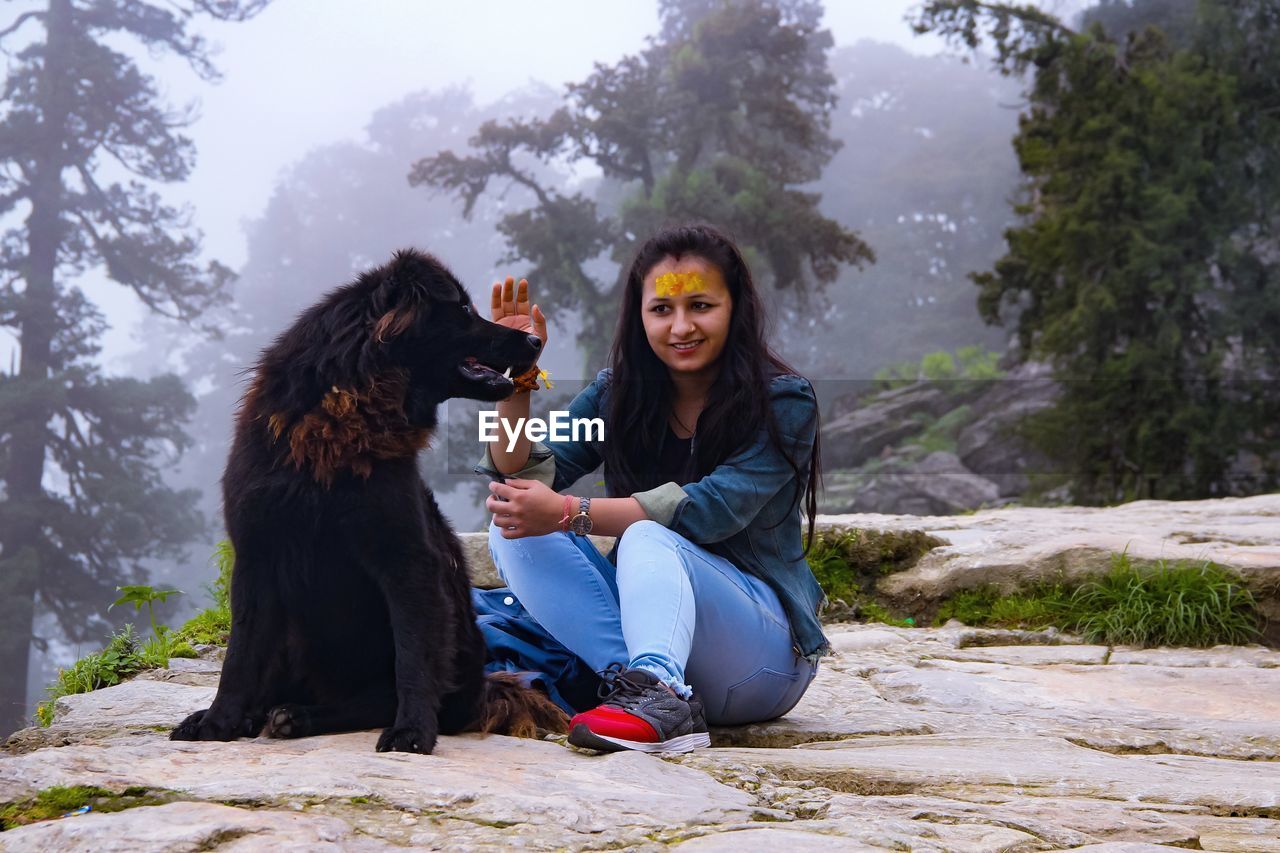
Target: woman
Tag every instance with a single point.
(708, 611)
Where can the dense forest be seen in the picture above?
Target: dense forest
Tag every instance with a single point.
(1095, 195)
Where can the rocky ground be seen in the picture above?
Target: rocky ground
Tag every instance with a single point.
(947, 738)
(911, 739)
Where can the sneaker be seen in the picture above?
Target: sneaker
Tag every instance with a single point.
(640, 712)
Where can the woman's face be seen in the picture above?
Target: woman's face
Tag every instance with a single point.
(686, 308)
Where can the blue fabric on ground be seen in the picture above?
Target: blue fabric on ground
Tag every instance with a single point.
(517, 643)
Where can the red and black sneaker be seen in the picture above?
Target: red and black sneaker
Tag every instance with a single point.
(640, 712)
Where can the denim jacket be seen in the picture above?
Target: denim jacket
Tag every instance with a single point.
(734, 511)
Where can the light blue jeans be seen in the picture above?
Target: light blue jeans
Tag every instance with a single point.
(670, 607)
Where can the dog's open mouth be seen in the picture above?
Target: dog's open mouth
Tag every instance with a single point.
(474, 370)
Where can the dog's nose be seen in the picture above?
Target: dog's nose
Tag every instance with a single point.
(535, 342)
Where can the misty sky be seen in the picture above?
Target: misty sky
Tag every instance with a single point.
(307, 73)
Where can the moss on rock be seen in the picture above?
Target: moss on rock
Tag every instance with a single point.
(849, 561)
(58, 801)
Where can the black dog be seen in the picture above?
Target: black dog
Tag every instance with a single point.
(350, 600)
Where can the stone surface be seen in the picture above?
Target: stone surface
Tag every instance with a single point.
(987, 445)
(189, 826)
(1014, 546)
(553, 793)
(139, 707)
(879, 422)
(932, 739)
(875, 444)
(937, 484)
(1007, 765)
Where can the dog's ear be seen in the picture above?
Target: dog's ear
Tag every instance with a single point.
(411, 283)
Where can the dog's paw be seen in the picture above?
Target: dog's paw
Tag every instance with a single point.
(204, 726)
(285, 721)
(407, 739)
(189, 729)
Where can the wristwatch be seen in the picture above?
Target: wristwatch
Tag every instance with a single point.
(581, 523)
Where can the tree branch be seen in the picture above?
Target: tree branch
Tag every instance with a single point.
(22, 19)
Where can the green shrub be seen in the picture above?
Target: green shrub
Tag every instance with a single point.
(120, 659)
(141, 595)
(976, 362)
(1165, 605)
(938, 366)
(126, 654)
(212, 625)
(970, 362)
(898, 375)
(1039, 607)
(124, 657)
(1178, 605)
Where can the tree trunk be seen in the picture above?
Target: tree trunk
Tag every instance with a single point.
(20, 565)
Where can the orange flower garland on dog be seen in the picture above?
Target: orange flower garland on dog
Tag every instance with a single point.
(528, 381)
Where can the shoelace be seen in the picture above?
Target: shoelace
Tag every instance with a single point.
(614, 684)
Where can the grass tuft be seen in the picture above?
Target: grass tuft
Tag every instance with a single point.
(126, 654)
(1177, 604)
(212, 625)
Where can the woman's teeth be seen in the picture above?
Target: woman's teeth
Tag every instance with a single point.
(507, 373)
(686, 346)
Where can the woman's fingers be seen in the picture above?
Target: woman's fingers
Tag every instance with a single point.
(495, 302)
(504, 490)
(539, 323)
(510, 300)
(509, 296)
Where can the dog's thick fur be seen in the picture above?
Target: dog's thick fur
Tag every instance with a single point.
(350, 599)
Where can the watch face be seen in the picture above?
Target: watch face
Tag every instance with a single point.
(580, 524)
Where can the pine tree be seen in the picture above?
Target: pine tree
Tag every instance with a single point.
(81, 453)
(722, 118)
(1144, 264)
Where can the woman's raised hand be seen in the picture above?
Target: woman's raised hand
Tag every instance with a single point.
(510, 308)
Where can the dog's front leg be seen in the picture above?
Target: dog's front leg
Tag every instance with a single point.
(254, 666)
(421, 646)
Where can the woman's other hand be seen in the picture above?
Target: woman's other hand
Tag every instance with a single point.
(510, 307)
(524, 508)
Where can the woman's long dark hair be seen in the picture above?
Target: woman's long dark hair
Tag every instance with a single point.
(737, 402)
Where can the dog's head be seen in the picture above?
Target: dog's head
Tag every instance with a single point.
(361, 373)
(424, 321)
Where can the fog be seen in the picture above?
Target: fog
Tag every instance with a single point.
(307, 73)
(304, 146)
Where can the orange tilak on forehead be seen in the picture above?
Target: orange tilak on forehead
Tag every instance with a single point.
(675, 283)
